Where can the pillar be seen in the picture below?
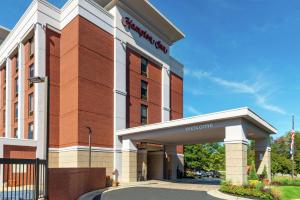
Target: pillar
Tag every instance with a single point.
(21, 75)
(120, 95)
(236, 154)
(129, 161)
(142, 165)
(263, 156)
(172, 162)
(40, 93)
(165, 93)
(8, 99)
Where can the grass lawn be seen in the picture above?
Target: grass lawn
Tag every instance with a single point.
(288, 192)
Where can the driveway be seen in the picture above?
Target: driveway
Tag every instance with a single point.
(148, 193)
(185, 189)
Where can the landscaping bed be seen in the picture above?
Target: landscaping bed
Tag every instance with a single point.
(249, 191)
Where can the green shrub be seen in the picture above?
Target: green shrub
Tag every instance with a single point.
(248, 191)
(252, 173)
(264, 174)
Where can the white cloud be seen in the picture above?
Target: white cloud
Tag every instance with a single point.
(192, 110)
(257, 89)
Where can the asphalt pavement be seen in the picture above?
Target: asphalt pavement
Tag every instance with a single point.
(147, 193)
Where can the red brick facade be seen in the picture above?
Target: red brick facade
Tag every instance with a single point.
(134, 101)
(86, 68)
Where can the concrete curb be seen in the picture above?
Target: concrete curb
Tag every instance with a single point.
(220, 195)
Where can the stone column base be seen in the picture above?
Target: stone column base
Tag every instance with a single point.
(129, 166)
(236, 163)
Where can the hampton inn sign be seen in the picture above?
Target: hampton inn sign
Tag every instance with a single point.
(127, 22)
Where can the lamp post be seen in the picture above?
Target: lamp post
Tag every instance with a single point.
(45, 80)
(90, 146)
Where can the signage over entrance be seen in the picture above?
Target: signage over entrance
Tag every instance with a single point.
(128, 23)
(198, 127)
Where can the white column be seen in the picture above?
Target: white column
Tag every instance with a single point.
(165, 94)
(236, 153)
(40, 93)
(21, 92)
(8, 99)
(119, 103)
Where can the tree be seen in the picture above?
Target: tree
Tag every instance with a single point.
(205, 156)
(252, 173)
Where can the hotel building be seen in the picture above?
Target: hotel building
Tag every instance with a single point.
(111, 76)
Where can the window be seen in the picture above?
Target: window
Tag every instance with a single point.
(30, 130)
(144, 66)
(144, 90)
(31, 74)
(4, 96)
(16, 112)
(17, 63)
(144, 114)
(30, 104)
(16, 86)
(16, 133)
(4, 117)
(4, 75)
(31, 47)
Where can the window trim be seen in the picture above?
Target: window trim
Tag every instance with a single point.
(29, 74)
(31, 49)
(147, 63)
(30, 110)
(29, 124)
(144, 117)
(16, 111)
(144, 97)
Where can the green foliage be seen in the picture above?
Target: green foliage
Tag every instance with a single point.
(253, 174)
(286, 181)
(207, 156)
(248, 191)
(264, 174)
(280, 154)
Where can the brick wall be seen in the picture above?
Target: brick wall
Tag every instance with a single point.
(86, 84)
(134, 100)
(176, 101)
(53, 71)
(71, 183)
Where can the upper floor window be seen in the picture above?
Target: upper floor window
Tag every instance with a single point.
(30, 104)
(30, 130)
(31, 74)
(4, 75)
(16, 86)
(3, 117)
(16, 111)
(144, 90)
(4, 96)
(144, 114)
(16, 135)
(144, 66)
(17, 63)
(31, 47)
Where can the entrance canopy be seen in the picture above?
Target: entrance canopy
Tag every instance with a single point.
(201, 129)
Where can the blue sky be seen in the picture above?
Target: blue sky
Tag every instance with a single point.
(236, 54)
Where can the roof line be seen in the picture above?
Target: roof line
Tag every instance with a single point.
(7, 29)
(165, 18)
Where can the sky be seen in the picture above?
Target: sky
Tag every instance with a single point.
(236, 54)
